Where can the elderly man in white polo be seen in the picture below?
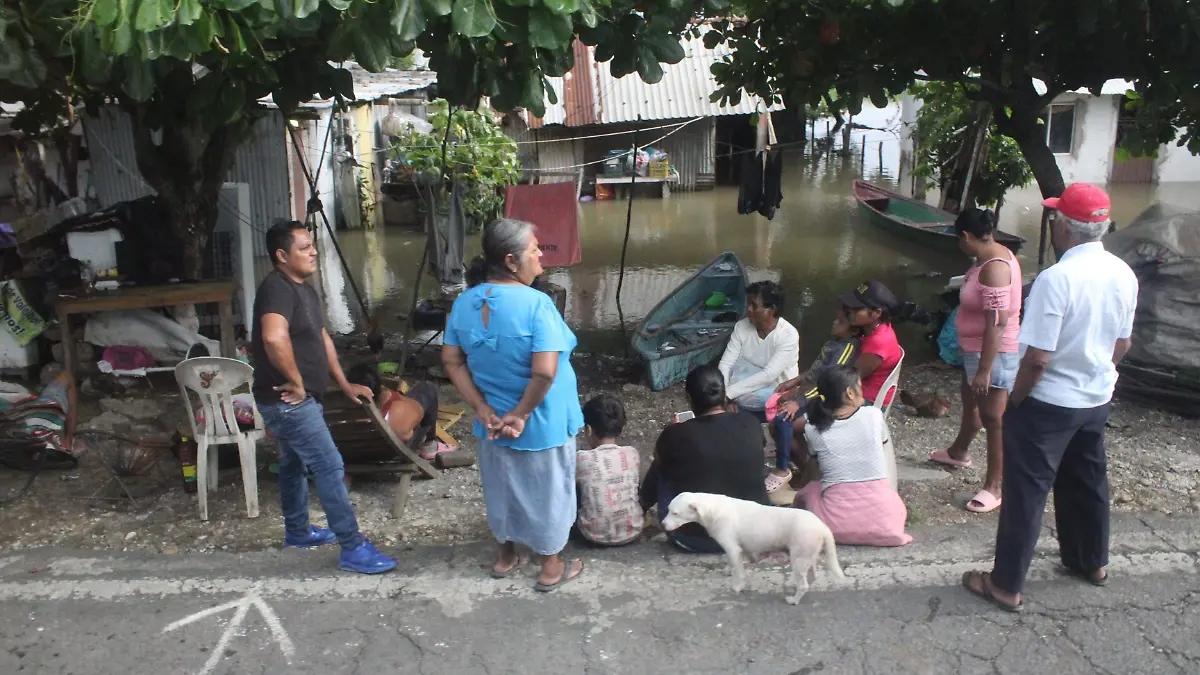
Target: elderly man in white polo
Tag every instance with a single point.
(1077, 327)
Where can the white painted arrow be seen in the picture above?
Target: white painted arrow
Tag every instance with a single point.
(242, 607)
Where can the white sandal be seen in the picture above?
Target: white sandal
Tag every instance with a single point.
(775, 482)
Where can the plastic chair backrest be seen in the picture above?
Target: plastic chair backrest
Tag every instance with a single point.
(891, 387)
(214, 379)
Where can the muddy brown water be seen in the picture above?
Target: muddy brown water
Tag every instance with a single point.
(817, 246)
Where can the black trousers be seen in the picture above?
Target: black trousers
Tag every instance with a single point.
(1046, 446)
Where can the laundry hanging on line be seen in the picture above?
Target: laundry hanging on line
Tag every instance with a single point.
(761, 185)
(553, 208)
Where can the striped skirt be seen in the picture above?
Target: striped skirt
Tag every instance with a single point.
(530, 494)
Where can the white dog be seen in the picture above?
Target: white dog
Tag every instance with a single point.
(745, 528)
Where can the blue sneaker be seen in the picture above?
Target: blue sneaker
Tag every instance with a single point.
(317, 536)
(366, 559)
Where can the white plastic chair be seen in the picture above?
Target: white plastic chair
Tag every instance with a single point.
(213, 379)
(891, 387)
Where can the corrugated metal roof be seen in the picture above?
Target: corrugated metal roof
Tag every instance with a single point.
(370, 86)
(683, 91)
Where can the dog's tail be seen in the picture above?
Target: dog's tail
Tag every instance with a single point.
(831, 561)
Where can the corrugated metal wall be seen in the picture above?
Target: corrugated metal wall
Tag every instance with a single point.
(260, 163)
(692, 149)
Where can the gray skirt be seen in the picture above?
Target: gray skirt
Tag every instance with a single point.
(530, 494)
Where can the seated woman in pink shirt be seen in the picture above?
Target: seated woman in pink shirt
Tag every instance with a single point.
(871, 308)
(987, 325)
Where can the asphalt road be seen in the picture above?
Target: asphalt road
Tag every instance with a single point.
(643, 610)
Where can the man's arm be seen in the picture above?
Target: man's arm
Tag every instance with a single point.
(278, 345)
(733, 352)
(352, 391)
(1039, 333)
(1121, 349)
(1032, 370)
(786, 354)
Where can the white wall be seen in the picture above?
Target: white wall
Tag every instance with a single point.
(1091, 156)
(1176, 165)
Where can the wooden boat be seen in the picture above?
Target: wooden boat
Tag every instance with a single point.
(691, 326)
(915, 220)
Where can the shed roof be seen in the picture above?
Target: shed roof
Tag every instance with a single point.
(589, 94)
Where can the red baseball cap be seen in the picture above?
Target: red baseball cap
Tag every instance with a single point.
(1083, 202)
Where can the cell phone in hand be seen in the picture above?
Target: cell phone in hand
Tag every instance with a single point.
(684, 416)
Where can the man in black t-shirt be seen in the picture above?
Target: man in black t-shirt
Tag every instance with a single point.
(293, 358)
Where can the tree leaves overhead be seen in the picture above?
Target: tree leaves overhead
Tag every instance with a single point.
(408, 19)
(872, 49)
(473, 18)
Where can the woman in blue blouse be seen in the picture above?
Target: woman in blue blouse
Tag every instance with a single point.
(507, 351)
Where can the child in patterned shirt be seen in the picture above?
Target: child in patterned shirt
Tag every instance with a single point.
(606, 478)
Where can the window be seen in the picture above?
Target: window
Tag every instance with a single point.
(1060, 128)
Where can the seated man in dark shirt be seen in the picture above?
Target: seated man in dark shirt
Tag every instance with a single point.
(718, 452)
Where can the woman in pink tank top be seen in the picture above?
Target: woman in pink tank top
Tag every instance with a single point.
(987, 324)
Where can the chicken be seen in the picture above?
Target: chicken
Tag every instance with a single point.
(926, 403)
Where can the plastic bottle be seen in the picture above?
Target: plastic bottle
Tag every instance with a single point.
(186, 451)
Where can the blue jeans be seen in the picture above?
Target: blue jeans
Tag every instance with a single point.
(783, 441)
(304, 441)
(754, 401)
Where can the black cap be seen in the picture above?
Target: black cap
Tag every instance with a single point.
(871, 295)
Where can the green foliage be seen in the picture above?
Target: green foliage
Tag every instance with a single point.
(943, 128)
(870, 49)
(191, 72)
(478, 154)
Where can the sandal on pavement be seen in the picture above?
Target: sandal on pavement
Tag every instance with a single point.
(943, 457)
(1088, 576)
(497, 574)
(433, 449)
(983, 502)
(985, 591)
(566, 577)
(775, 482)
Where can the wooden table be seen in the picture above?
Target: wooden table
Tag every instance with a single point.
(621, 184)
(144, 297)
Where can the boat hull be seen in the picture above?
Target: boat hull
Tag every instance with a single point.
(915, 221)
(682, 331)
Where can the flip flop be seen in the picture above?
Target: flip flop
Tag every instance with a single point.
(565, 578)
(987, 502)
(775, 482)
(431, 450)
(944, 458)
(521, 561)
(1085, 576)
(985, 592)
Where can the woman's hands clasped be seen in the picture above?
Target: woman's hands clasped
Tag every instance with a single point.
(508, 426)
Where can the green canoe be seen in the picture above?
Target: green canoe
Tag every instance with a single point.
(691, 326)
(914, 220)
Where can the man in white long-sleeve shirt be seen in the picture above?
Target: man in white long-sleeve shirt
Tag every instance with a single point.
(763, 351)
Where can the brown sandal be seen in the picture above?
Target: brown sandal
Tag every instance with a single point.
(985, 591)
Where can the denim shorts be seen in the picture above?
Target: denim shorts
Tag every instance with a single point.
(1004, 368)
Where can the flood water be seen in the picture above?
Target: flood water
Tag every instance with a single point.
(817, 246)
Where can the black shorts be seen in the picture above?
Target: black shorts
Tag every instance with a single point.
(426, 395)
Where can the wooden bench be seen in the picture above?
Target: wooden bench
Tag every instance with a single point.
(369, 447)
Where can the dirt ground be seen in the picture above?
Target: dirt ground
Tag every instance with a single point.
(1154, 465)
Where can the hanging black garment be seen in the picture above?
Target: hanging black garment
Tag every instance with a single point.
(751, 188)
(772, 190)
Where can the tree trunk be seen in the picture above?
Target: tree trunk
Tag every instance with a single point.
(1041, 161)
(187, 168)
